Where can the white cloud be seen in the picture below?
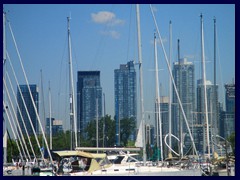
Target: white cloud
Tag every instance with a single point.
(111, 33)
(106, 17)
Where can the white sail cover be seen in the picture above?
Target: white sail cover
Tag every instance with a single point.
(139, 142)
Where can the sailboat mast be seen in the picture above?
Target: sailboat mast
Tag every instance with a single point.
(204, 87)
(158, 113)
(104, 120)
(141, 83)
(4, 38)
(180, 95)
(50, 116)
(170, 87)
(97, 123)
(43, 108)
(71, 89)
(215, 104)
(4, 67)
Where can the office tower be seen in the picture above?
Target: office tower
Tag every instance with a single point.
(229, 118)
(183, 73)
(221, 119)
(125, 90)
(30, 108)
(89, 98)
(213, 117)
(164, 103)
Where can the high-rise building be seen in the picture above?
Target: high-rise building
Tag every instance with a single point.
(89, 98)
(229, 117)
(213, 117)
(125, 90)
(183, 73)
(30, 108)
(164, 104)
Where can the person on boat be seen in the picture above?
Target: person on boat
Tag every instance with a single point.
(82, 163)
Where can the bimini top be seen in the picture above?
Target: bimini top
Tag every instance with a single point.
(73, 153)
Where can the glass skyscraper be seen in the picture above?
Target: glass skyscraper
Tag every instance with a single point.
(27, 99)
(183, 73)
(229, 118)
(89, 96)
(125, 90)
(200, 130)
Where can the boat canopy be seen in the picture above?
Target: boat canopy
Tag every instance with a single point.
(73, 153)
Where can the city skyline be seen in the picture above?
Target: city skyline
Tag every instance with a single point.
(103, 38)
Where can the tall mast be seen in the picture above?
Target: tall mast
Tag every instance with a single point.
(170, 88)
(204, 86)
(4, 67)
(141, 83)
(50, 117)
(180, 95)
(215, 104)
(104, 120)
(4, 38)
(43, 108)
(158, 113)
(71, 89)
(97, 123)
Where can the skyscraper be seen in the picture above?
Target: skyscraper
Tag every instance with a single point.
(164, 103)
(183, 73)
(125, 90)
(89, 96)
(30, 108)
(213, 117)
(229, 118)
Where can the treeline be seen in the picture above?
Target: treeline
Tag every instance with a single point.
(62, 140)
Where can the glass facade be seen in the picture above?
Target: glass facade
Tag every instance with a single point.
(229, 118)
(30, 108)
(213, 120)
(89, 96)
(183, 73)
(125, 90)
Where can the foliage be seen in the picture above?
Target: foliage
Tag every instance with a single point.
(127, 126)
(231, 139)
(109, 134)
(61, 140)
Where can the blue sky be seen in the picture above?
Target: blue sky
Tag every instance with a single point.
(105, 36)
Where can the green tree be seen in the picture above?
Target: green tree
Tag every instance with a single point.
(109, 133)
(127, 128)
(12, 150)
(231, 139)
